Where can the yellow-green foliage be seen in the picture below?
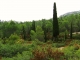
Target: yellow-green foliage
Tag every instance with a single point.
(77, 53)
(14, 37)
(20, 41)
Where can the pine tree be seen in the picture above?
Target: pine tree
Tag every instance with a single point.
(55, 22)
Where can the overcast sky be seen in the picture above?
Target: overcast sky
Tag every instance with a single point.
(27, 10)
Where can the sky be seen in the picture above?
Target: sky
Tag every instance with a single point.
(28, 10)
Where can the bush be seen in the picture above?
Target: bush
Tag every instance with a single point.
(58, 45)
(19, 41)
(74, 42)
(14, 37)
(77, 54)
(33, 35)
(11, 50)
(69, 52)
(49, 42)
(39, 34)
(76, 36)
(24, 56)
(37, 42)
(47, 54)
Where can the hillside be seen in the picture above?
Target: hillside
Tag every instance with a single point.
(69, 13)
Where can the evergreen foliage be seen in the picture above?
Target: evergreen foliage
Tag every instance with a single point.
(55, 22)
(33, 25)
(23, 33)
(71, 31)
(44, 29)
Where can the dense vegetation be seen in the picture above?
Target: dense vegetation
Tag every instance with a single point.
(41, 40)
(42, 27)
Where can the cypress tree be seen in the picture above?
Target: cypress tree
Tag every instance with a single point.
(71, 31)
(44, 29)
(55, 22)
(65, 36)
(23, 33)
(28, 32)
(33, 26)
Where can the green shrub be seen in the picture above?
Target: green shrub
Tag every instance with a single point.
(39, 34)
(58, 44)
(33, 35)
(26, 55)
(74, 42)
(76, 36)
(4, 58)
(49, 42)
(69, 52)
(31, 47)
(19, 41)
(11, 50)
(14, 37)
(37, 42)
(77, 53)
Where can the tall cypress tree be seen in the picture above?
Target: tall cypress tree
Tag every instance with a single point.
(55, 22)
(33, 26)
(71, 31)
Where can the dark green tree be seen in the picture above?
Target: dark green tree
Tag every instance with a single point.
(9, 28)
(44, 29)
(71, 31)
(33, 25)
(55, 22)
(23, 33)
(12, 27)
(28, 33)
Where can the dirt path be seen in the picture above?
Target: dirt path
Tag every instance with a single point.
(61, 48)
(67, 43)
